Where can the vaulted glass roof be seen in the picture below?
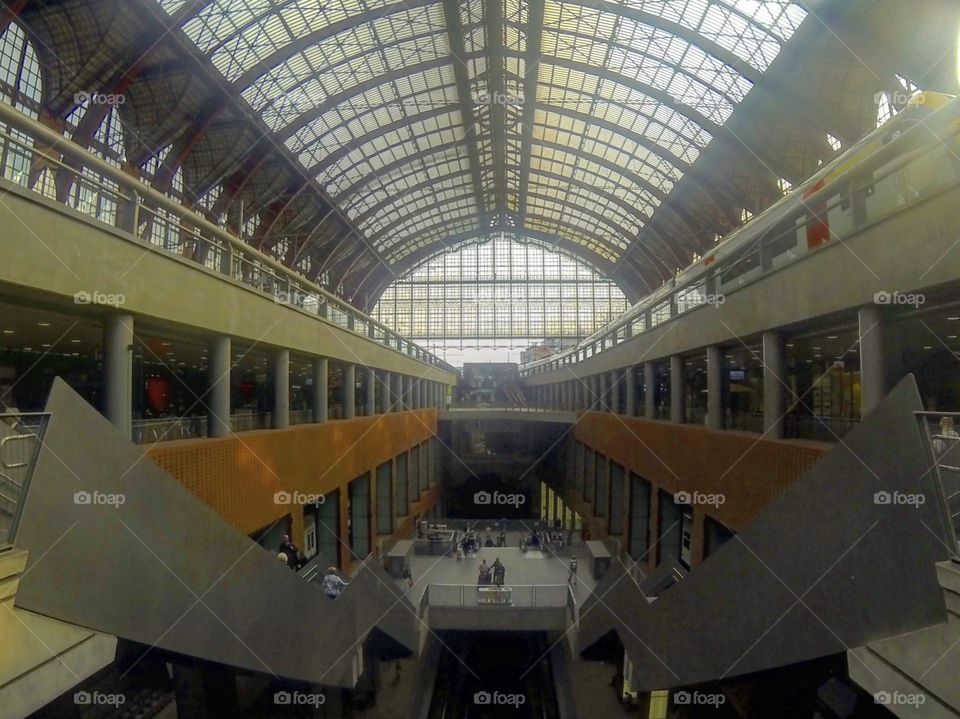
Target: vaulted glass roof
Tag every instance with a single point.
(428, 120)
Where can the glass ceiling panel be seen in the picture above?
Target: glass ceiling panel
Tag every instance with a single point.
(623, 105)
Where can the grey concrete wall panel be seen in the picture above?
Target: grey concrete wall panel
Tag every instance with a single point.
(164, 569)
(824, 568)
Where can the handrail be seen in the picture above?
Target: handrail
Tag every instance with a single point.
(18, 472)
(914, 143)
(52, 140)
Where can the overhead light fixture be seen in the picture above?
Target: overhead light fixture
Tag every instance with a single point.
(43, 324)
(831, 337)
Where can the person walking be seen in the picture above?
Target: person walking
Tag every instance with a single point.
(332, 584)
(483, 573)
(572, 577)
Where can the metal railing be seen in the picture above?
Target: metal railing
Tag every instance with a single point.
(520, 595)
(20, 438)
(148, 431)
(247, 421)
(870, 191)
(943, 442)
(36, 158)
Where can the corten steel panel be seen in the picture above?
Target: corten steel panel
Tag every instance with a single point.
(824, 568)
(239, 475)
(750, 471)
(164, 569)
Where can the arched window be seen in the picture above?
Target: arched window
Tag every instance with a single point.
(21, 85)
(489, 301)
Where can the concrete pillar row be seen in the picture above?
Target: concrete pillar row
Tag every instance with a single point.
(280, 369)
(349, 398)
(321, 403)
(649, 390)
(630, 387)
(219, 363)
(873, 370)
(678, 390)
(715, 363)
(118, 372)
(774, 377)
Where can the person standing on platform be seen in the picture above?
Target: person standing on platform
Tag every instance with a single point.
(572, 577)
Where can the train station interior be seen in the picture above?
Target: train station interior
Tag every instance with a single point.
(468, 359)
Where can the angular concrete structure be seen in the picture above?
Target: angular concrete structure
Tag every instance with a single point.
(120, 547)
(845, 557)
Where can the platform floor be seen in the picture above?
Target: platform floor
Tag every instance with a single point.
(522, 568)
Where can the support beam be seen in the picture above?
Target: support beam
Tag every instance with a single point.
(384, 386)
(873, 370)
(774, 404)
(615, 392)
(321, 389)
(370, 386)
(630, 382)
(678, 390)
(219, 365)
(349, 390)
(280, 369)
(715, 362)
(118, 372)
(649, 390)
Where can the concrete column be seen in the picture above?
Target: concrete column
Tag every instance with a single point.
(614, 392)
(349, 391)
(678, 390)
(714, 387)
(397, 393)
(604, 393)
(649, 392)
(219, 362)
(630, 382)
(371, 391)
(384, 387)
(321, 404)
(774, 366)
(405, 396)
(118, 372)
(280, 367)
(873, 370)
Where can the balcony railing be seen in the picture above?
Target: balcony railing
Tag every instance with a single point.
(20, 438)
(943, 441)
(110, 196)
(148, 431)
(513, 595)
(868, 192)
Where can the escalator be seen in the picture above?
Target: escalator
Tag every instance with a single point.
(487, 675)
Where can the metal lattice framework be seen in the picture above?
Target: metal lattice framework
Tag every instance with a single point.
(365, 136)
